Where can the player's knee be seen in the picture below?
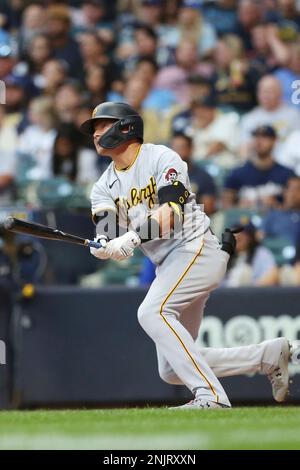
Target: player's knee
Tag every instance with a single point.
(147, 320)
(143, 316)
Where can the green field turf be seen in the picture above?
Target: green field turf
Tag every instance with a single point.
(152, 428)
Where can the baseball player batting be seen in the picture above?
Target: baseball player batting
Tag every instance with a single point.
(148, 186)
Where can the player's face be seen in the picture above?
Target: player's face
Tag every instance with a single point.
(101, 126)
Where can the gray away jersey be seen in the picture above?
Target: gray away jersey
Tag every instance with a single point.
(132, 194)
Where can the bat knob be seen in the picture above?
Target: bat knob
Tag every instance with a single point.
(102, 239)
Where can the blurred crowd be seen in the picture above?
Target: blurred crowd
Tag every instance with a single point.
(218, 81)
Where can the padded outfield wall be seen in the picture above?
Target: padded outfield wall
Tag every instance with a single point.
(80, 347)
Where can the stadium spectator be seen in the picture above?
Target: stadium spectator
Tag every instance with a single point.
(17, 95)
(7, 58)
(198, 87)
(64, 46)
(290, 74)
(34, 19)
(140, 88)
(174, 77)
(164, 58)
(202, 183)
(272, 111)
(8, 140)
(92, 17)
(135, 93)
(68, 159)
(250, 13)
(65, 152)
(93, 50)
(36, 54)
(235, 78)
(143, 43)
(215, 135)
(290, 273)
(54, 74)
(36, 142)
(91, 167)
(146, 41)
(284, 222)
(290, 152)
(170, 13)
(269, 51)
(161, 100)
(139, 29)
(150, 12)
(252, 264)
(67, 101)
(11, 14)
(260, 182)
(97, 84)
(287, 17)
(21, 260)
(297, 266)
(83, 113)
(192, 26)
(222, 15)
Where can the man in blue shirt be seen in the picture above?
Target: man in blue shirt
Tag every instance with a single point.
(260, 182)
(285, 222)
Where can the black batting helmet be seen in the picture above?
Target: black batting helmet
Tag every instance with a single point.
(127, 119)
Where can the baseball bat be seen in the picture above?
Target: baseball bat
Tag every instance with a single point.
(42, 231)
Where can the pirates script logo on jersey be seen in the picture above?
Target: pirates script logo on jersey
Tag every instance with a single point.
(138, 196)
(171, 176)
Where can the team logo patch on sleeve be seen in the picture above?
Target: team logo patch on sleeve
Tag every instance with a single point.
(171, 175)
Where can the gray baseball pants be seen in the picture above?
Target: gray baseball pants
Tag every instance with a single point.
(171, 315)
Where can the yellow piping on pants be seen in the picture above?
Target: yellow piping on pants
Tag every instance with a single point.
(175, 333)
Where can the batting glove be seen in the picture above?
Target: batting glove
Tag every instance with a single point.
(100, 253)
(123, 247)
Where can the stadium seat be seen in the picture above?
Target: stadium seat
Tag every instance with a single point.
(58, 192)
(125, 272)
(238, 215)
(215, 171)
(282, 249)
